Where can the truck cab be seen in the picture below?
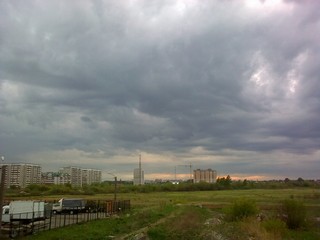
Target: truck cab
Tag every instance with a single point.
(56, 208)
(5, 214)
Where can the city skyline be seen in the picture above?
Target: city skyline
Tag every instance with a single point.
(228, 85)
(24, 174)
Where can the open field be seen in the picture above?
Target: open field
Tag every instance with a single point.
(195, 215)
(262, 196)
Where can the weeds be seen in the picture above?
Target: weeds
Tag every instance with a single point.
(293, 213)
(275, 227)
(187, 224)
(240, 209)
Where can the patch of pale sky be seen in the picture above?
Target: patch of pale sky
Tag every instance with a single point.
(264, 78)
(10, 90)
(147, 119)
(261, 76)
(240, 176)
(266, 6)
(294, 75)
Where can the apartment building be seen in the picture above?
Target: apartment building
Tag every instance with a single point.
(90, 176)
(78, 177)
(22, 174)
(74, 173)
(207, 175)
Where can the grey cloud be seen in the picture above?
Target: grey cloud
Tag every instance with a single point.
(157, 76)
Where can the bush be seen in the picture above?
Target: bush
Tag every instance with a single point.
(240, 209)
(294, 213)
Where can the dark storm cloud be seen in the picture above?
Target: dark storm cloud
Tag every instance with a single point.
(159, 76)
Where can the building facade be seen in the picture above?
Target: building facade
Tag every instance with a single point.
(138, 176)
(78, 177)
(47, 177)
(73, 173)
(22, 174)
(62, 178)
(90, 176)
(207, 175)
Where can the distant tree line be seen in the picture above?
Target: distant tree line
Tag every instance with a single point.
(224, 183)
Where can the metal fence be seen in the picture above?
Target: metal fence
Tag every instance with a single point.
(94, 210)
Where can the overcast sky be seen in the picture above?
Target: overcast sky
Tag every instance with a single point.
(228, 85)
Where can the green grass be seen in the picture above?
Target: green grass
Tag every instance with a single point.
(188, 223)
(182, 215)
(301, 234)
(107, 228)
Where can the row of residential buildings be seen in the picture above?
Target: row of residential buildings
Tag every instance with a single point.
(23, 174)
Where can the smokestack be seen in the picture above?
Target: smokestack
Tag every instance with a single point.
(140, 170)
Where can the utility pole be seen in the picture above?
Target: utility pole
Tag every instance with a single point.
(115, 185)
(189, 166)
(115, 188)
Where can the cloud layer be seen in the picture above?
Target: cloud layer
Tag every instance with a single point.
(230, 85)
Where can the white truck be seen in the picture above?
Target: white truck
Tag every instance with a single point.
(23, 216)
(25, 211)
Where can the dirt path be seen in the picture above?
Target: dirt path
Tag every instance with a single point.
(141, 234)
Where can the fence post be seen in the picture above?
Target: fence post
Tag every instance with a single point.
(77, 214)
(32, 221)
(98, 209)
(50, 220)
(88, 214)
(64, 220)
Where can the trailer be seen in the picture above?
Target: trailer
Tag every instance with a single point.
(25, 211)
(24, 215)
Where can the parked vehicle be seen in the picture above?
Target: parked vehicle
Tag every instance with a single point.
(24, 215)
(25, 211)
(70, 205)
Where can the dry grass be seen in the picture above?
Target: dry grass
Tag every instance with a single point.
(257, 231)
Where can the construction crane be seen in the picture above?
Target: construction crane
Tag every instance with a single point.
(189, 166)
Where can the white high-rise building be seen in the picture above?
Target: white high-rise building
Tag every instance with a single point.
(138, 174)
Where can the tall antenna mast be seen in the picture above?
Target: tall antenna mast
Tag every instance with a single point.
(140, 170)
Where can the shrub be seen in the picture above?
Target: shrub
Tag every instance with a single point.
(294, 213)
(240, 209)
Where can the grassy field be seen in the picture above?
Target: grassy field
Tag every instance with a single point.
(196, 215)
